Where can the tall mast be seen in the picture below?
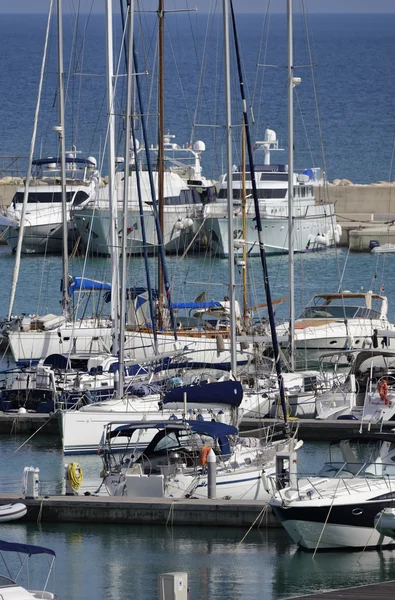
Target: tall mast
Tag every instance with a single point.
(229, 179)
(18, 252)
(111, 179)
(262, 252)
(126, 180)
(60, 130)
(244, 213)
(291, 242)
(161, 127)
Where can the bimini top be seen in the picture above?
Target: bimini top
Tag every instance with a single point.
(24, 548)
(214, 429)
(343, 295)
(50, 160)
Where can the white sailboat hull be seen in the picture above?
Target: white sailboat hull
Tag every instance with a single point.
(85, 337)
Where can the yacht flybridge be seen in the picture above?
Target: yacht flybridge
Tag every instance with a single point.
(43, 217)
(185, 192)
(315, 224)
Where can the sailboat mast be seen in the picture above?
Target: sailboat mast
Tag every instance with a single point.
(229, 180)
(244, 212)
(262, 252)
(18, 252)
(161, 133)
(291, 242)
(111, 178)
(126, 180)
(60, 129)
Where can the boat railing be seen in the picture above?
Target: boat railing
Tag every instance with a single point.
(12, 167)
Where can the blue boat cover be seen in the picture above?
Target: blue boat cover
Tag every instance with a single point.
(24, 548)
(84, 284)
(213, 428)
(220, 392)
(198, 305)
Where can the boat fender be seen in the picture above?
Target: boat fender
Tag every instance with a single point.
(265, 483)
(204, 455)
(220, 344)
(383, 391)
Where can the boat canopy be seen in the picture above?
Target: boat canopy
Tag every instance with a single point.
(24, 548)
(40, 162)
(214, 429)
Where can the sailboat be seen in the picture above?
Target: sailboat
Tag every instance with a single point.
(205, 339)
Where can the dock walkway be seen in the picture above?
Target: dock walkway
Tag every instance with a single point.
(149, 511)
(378, 591)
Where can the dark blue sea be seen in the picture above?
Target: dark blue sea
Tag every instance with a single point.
(353, 58)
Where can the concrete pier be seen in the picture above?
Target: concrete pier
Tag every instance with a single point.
(152, 511)
(364, 212)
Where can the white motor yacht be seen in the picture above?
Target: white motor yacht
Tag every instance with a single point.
(185, 192)
(341, 321)
(43, 218)
(315, 224)
(368, 392)
(337, 507)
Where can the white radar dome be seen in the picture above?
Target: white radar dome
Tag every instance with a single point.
(270, 135)
(92, 160)
(199, 146)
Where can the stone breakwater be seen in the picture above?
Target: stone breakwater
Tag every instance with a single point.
(365, 212)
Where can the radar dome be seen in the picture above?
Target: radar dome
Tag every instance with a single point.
(92, 160)
(199, 146)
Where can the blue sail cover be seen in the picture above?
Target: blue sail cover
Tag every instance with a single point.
(84, 284)
(220, 392)
(197, 305)
(24, 548)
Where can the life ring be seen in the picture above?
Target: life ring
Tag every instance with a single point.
(204, 454)
(383, 391)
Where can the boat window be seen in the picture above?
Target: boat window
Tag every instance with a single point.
(367, 313)
(41, 197)
(330, 312)
(168, 442)
(274, 176)
(263, 194)
(239, 176)
(185, 197)
(80, 197)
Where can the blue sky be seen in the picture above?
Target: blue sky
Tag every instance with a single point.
(251, 6)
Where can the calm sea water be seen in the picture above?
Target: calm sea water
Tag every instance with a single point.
(354, 57)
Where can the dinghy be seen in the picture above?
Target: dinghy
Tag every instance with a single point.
(12, 512)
